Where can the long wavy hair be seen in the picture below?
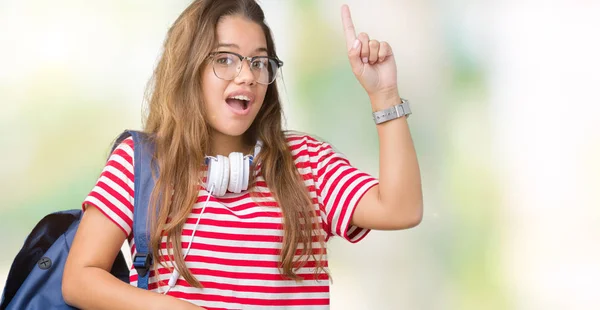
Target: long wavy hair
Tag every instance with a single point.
(177, 123)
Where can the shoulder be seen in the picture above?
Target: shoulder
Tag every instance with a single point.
(124, 147)
(126, 143)
(122, 155)
(297, 139)
(308, 147)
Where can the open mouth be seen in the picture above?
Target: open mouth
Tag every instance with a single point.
(239, 102)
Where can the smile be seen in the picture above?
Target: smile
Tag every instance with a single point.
(239, 103)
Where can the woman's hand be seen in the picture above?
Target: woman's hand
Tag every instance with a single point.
(372, 61)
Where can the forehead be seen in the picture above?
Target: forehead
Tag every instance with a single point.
(246, 34)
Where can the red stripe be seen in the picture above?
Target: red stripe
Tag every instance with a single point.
(238, 249)
(337, 195)
(346, 205)
(255, 276)
(236, 237)
(236, 207)
(119, 181)
(253, 215)
(333, 194)
(128, 141)
(254, 225)
(256, 288)
(235, 224)
(236, 262)
(107, 204)
(117, 165)
(114, 194)
(252, 301)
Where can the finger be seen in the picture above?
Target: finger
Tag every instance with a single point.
(354, 57)
(348, 27)
(373, 51)
(364, 51)
(385, 50)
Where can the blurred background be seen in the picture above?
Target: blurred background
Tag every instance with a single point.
(506, 123)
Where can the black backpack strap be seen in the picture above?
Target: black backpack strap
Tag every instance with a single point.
(143, 185)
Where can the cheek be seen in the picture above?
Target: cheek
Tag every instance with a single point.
(261, 94)
(212, 87)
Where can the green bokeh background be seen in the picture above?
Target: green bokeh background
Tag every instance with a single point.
(72, 77)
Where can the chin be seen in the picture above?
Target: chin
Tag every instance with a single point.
(232, 131)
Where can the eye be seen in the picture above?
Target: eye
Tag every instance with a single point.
(224, 60)
(259, 63)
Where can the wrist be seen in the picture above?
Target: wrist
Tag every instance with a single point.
(396, 111)
(384, 99)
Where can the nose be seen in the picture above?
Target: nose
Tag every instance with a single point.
(246, 76)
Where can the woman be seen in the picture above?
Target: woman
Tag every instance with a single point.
(214, 93)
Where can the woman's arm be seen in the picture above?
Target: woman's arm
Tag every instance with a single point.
(87, 282)
(397, 202)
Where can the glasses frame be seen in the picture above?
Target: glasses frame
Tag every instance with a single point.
(250, 60)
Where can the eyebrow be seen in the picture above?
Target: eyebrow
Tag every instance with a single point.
(260, 49)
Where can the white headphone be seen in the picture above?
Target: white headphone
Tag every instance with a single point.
(226, 173)
(233, 173)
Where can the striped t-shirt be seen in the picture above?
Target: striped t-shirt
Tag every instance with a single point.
(235, 252)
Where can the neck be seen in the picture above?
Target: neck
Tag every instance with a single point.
(224, 145)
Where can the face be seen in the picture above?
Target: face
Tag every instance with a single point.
(227, 115)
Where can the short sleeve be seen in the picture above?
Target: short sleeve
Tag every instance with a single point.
(113, 192)
(340, 187)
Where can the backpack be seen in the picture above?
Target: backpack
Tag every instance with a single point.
(35, 277)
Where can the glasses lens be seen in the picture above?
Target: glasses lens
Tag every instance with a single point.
(265, 69)
(226, 66)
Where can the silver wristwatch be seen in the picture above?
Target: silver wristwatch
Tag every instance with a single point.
(394, 112)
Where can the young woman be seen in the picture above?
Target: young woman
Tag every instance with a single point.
(214, 93)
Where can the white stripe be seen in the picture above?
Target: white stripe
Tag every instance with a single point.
(232, 230)
(114, 200)
(249, 214)
(337, 191)
(255, 295)
(120, 159)
(238, 269)
(353, 202)
(251, 282)
(305, 171)
(239, 256)
(110, 213)
(288, 307)
(117, 172)
(120, 175)
(329, 164)
(359, 235)
(257, 220)
(232, 217)
(325, 185)
(120, 190)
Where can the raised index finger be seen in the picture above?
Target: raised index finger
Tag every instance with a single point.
(348, 26)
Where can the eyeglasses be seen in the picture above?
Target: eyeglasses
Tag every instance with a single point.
(228, 65)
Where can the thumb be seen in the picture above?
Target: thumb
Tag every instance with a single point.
(354, 57)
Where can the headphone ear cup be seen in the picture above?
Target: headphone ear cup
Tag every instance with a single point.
(246, 173)
(236, 173)
(224, 165)
(215, 174)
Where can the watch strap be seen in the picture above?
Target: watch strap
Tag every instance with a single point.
(394, 112)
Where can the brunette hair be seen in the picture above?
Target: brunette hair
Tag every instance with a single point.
(177, 123)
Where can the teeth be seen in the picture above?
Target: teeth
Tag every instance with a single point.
(240, 97)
